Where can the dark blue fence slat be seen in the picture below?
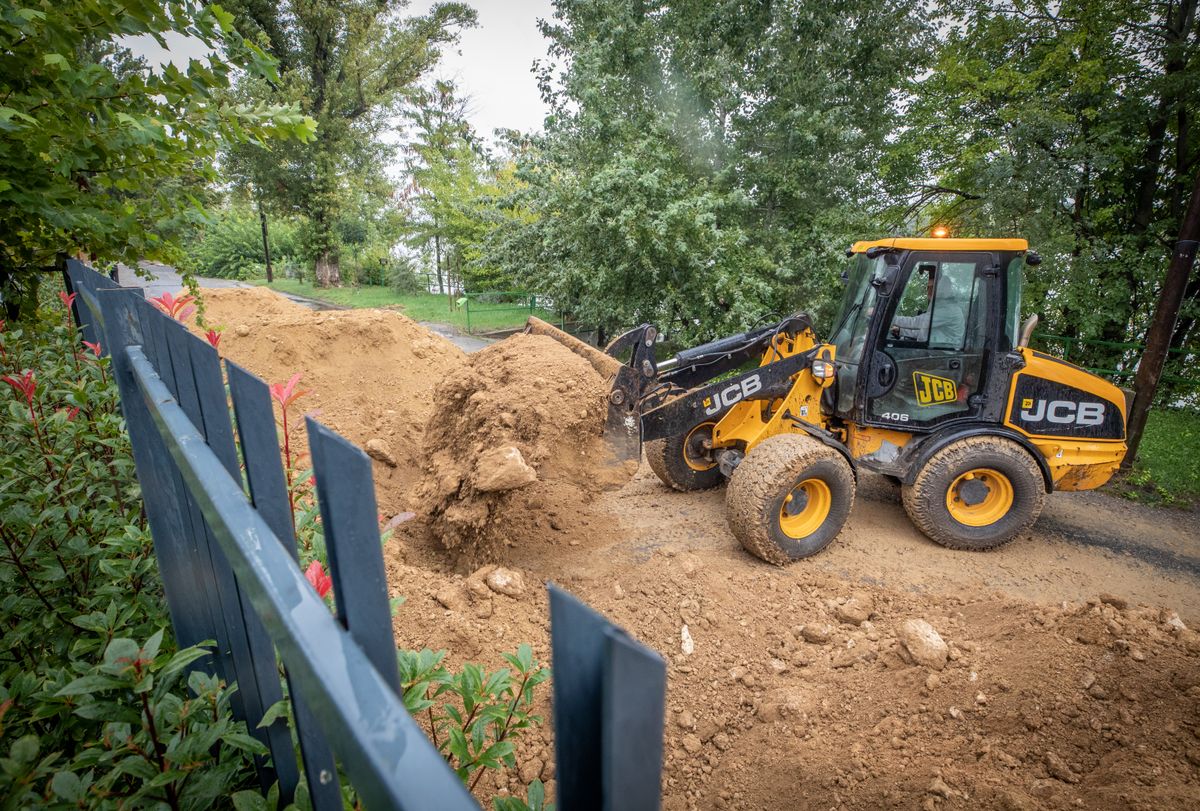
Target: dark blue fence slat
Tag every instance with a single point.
(166, 338)
(634, 702)
(609, 695)
(268, 493)
(346, 493)
(159, 481)
(262, 689)
(578, 643)
(391, 762)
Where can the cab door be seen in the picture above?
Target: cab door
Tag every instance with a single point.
(930, 358)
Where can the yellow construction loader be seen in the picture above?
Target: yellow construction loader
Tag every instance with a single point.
(926, 377)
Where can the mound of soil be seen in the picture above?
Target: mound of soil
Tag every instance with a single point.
(514, 435)
(370, 373)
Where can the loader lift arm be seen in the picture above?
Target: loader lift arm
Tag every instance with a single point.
(645, 399)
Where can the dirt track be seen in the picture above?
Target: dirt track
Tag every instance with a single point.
(799, 692)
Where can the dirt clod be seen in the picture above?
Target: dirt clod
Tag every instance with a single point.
(506, 582)
(922, 644)
(501, 469)
(379, 450)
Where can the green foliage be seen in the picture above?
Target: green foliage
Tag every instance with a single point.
(473, 716)
(351, 65)
(97, 707)
(1168, 464)
(230, 247)
(100, 153)
(1075, 127)
(704, 164)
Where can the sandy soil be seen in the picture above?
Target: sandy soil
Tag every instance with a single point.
(1070, 676)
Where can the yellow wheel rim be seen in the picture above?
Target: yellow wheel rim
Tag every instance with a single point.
(805, 508)
(979, 497)
(691, 444)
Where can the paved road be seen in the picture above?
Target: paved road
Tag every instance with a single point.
(157, 279)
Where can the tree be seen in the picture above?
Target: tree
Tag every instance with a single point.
(705, 163)
(1073, 125)
(98, 152)
(351, 63)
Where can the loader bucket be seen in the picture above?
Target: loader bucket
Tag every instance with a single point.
(622, 430)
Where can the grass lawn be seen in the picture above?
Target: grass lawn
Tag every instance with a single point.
(1168, 466)
(417, 306)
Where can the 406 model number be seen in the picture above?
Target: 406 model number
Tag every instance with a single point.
(894, 416)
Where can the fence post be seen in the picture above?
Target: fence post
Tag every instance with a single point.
(346, 492)
(268, 493)
(609, 700)
(186, 600)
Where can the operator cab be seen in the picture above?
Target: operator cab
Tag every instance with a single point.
(922, 326)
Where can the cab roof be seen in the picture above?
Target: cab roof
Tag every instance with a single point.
(936, 244)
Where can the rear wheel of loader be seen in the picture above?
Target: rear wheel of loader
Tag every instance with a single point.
(684, 461)
(978, 493)
(789, 498)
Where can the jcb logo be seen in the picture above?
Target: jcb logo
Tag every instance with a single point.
(731, 395)
(932, 389)
(1062, 412)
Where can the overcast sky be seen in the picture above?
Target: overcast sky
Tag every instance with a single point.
(491, 65)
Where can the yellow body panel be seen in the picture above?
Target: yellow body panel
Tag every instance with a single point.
(750, 422)
(1076, 463)
(863, 441)
(935, 244)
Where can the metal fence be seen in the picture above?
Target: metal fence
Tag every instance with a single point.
(1067, 346)
(227, 555)
(493, 309)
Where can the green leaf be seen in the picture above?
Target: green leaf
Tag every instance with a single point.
(91, 683)
(66, 786)
(276, 711)
(249, 801)
(24, 749)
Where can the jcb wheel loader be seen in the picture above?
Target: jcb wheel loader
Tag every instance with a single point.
(926, 377)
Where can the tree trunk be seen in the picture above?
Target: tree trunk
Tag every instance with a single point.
(437, 258)
(1158, 337)
(328, 271)
(262, 221)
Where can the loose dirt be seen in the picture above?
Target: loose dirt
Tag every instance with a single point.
(370, 373)
(1062, 670)
(514, 449)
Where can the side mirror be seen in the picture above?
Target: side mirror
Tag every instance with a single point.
(1033, 259)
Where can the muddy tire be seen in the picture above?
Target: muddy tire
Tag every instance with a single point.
(789, 498)
(978, 493)
(679, 462)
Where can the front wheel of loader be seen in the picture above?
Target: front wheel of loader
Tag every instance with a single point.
(789, 498)
(684, 462)
(978, 493)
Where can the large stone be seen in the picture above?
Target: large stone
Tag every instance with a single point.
(503, 468)
(923, 644)
(506, 582)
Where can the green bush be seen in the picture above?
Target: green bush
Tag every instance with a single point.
(231, 246)
(97, 708)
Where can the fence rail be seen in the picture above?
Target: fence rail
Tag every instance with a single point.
(1068, 342)
(229, 565)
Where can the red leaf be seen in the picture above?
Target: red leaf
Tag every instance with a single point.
(315, 574)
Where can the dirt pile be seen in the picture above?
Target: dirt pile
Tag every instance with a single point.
(514, 447)
(799, 690)
(370, 373)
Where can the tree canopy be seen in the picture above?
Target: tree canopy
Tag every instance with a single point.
(99, 151)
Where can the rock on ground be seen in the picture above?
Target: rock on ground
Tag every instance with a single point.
(923, 644)
(502, 469)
